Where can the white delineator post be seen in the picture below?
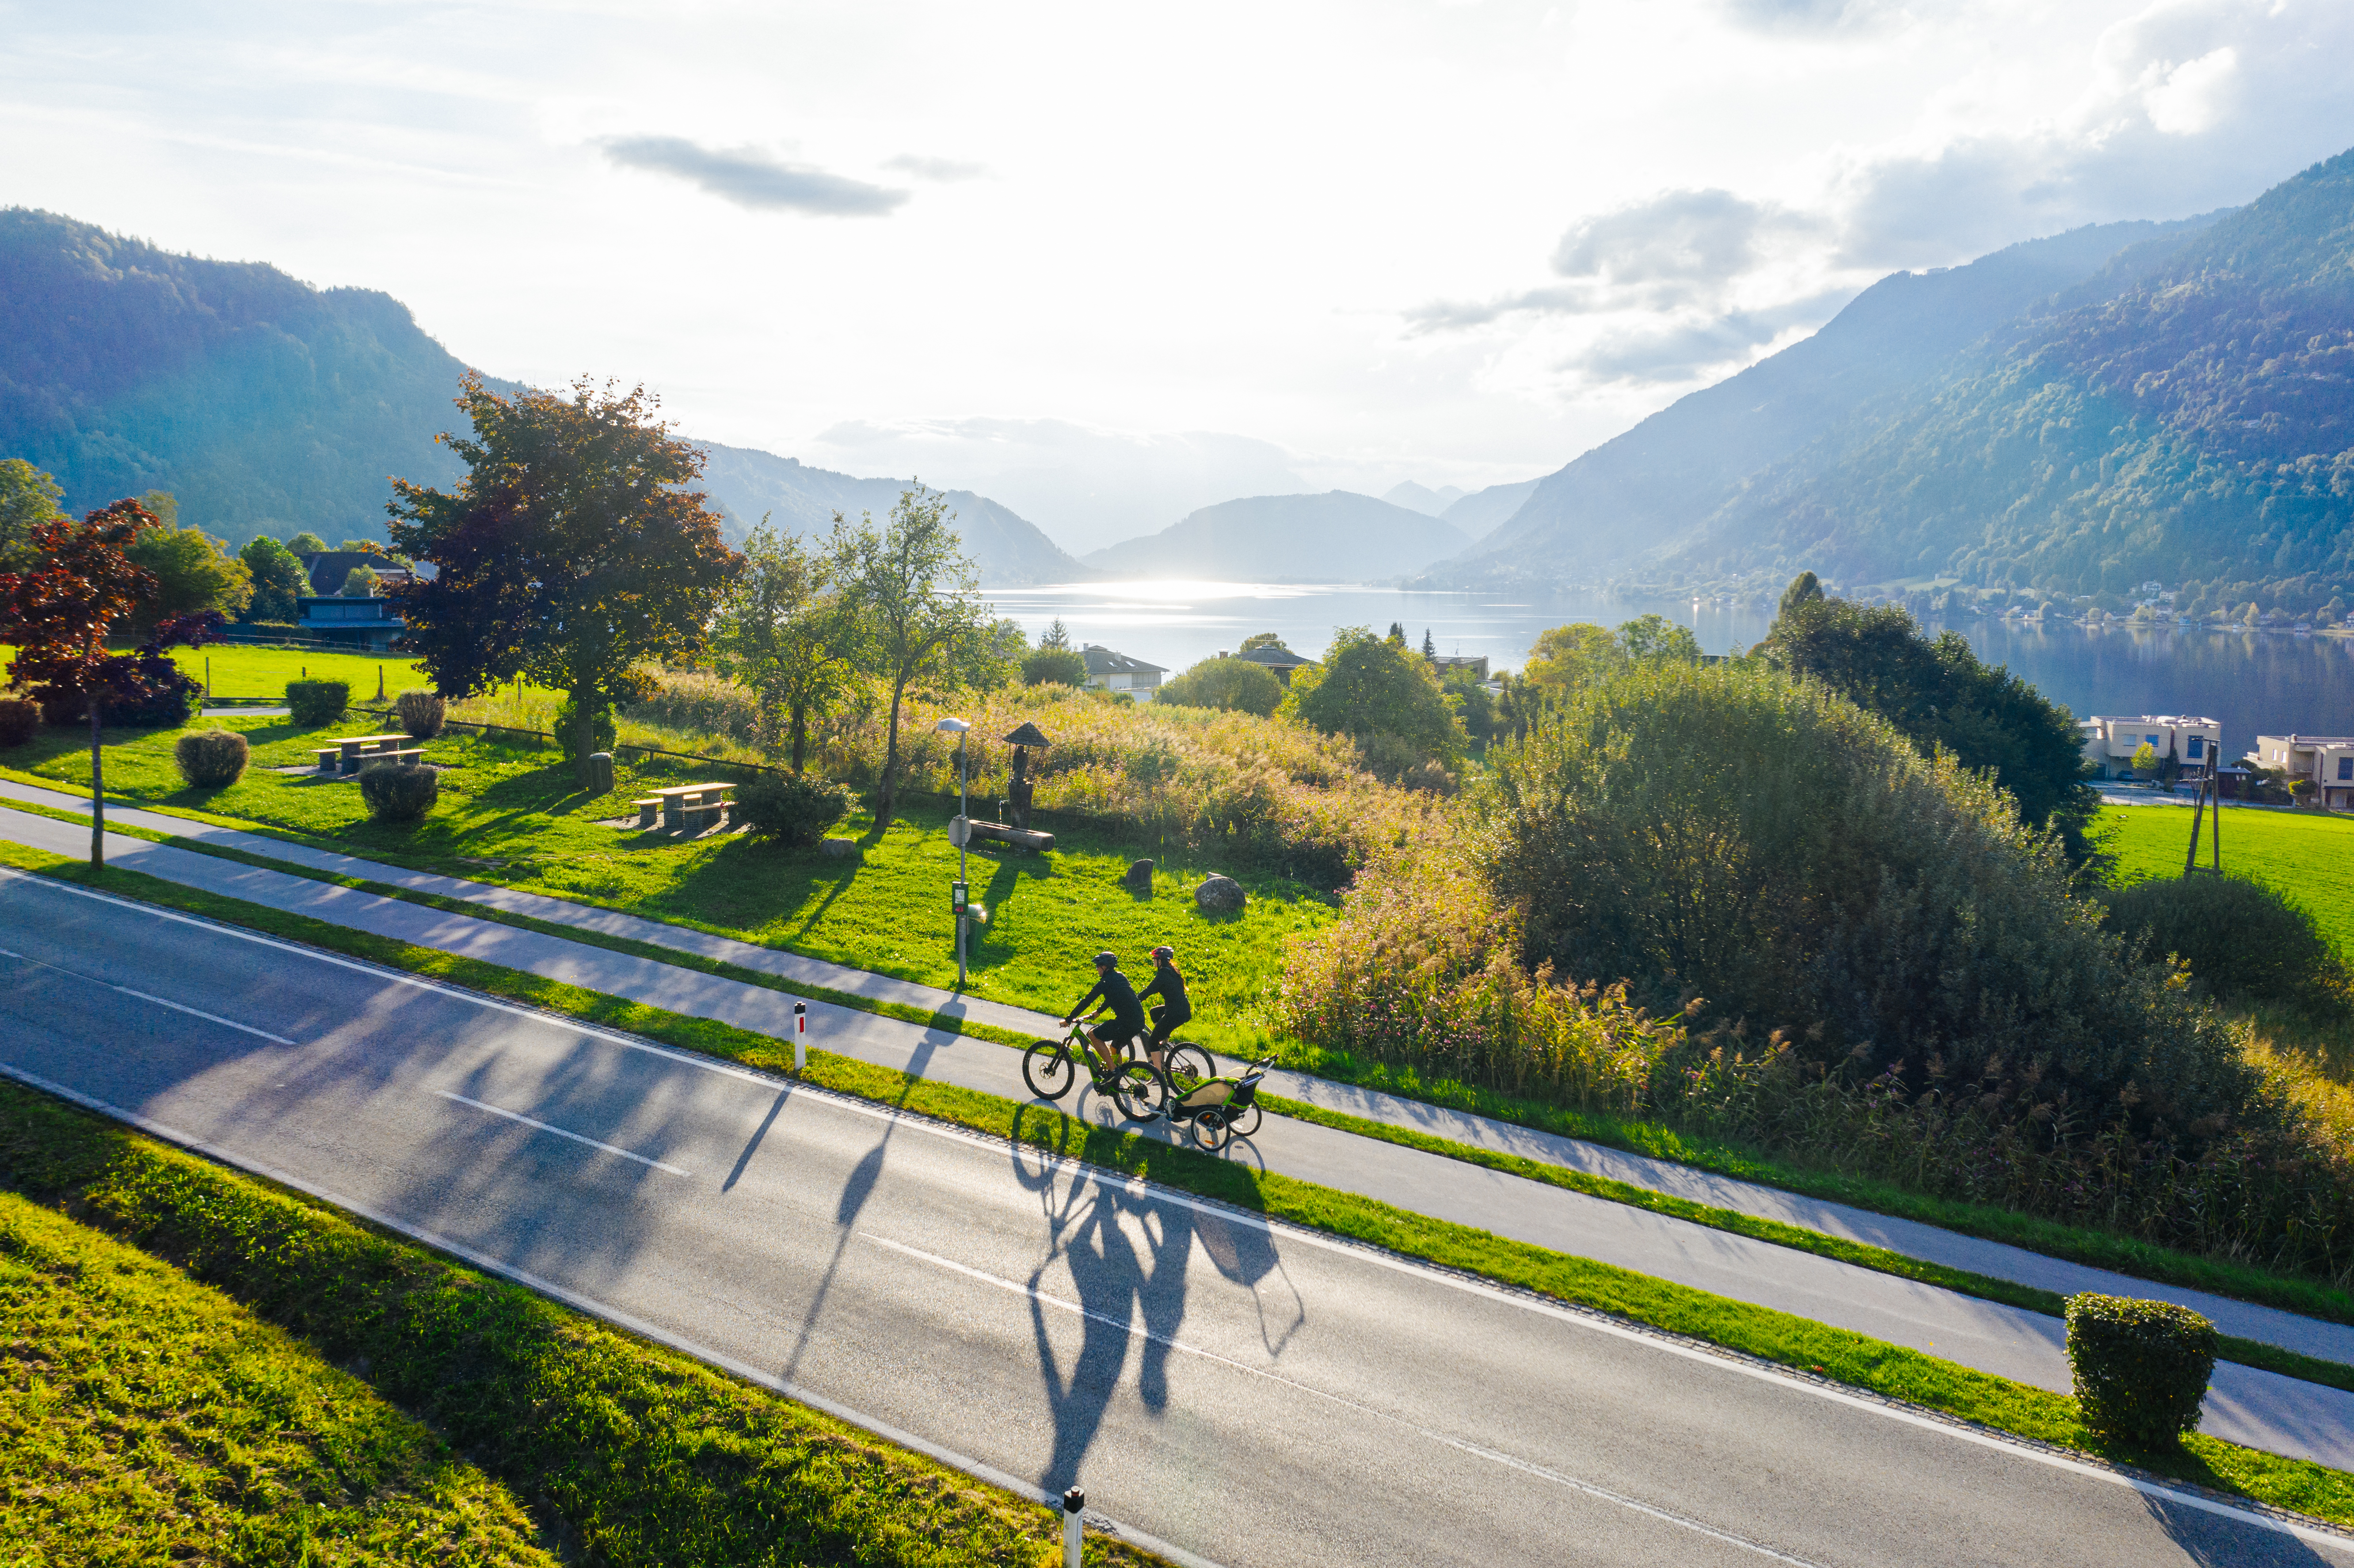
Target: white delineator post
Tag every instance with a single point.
(1074, 1502)
(800, 1036)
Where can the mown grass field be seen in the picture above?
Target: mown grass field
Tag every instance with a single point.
(264, 671)
(147, 1418)
(2306, 854)
(514, 815)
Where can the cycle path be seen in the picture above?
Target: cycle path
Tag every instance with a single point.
(1340, 1159)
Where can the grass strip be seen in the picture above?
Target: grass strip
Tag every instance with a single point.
(1835, 1354)
(147, 1418)
(632, 1453)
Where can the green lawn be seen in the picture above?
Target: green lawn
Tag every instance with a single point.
(887, 910)
(2306, 854)
(264, 671)
(146, 1418)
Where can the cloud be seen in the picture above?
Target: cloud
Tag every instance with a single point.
(939, 171)
(1817, 16)
(750, 178)
(1677, 237)
(1678, 350)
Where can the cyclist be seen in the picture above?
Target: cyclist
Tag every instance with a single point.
(1170, 987)
(1111, 989)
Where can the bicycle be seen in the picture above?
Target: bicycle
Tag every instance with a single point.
(1050, 1070)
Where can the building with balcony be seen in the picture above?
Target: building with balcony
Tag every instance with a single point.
(2327, 759)
(1111, 671)
(366, 623)
(2111, 740)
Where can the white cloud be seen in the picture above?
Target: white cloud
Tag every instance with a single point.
(752, 178)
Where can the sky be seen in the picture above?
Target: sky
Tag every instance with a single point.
(1107, 264)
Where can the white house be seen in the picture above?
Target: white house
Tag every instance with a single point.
(2111, 740)
(2327, 759)
(1111, 671)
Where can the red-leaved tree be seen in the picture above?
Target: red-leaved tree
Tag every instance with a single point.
(57, 614)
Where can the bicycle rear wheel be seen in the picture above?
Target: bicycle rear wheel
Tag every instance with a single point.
(1136, 1088)
(1046, 1068)
(1189, 1067)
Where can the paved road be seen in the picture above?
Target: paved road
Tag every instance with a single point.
(1249, 1392)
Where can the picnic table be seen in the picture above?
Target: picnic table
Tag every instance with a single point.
(346, 753)
(680, 804)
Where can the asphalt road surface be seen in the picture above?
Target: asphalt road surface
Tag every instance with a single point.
(1250, 1394)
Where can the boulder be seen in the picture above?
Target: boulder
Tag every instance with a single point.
(1219, 896)
(1139, 879)
(839, 849)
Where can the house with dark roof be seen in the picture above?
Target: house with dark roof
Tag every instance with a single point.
(328, 569)
(364, 623)
(1278, 658)
(1111, 671)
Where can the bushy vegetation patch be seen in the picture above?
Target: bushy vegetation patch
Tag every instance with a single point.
(19, 721)
(793, 809)
(421, 713)
(1242, 685)
(211, 760)
(315, 703)
(2248, 942)
(696, 702)
(400, 791)
(2141, 1367)
(148, 1418)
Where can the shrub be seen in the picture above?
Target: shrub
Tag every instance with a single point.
(400, 791)
(211, 760)
(18, 720)
(421, 713)
(793, 809)
(2247, 942)
(315, 703)
(567, 731)
(1053, 667)
(2141, 1367)
(1243, 685)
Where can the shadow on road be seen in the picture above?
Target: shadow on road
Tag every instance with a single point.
(2212, 1542)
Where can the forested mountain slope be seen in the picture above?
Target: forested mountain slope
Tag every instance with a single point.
(1338, 536)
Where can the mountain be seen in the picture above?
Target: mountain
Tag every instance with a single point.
(1339, 536)
(269, 407)
(2187, 414)
(1660, 481)
(1421, 498)
(1479, 513)
(745, 484)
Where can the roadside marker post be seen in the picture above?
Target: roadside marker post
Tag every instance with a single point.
(1074, 1502)
(800, 1036)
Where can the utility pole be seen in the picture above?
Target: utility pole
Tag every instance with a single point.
(961, 896)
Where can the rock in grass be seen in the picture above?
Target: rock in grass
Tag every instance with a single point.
(1138, 878)
(1219, 896)
(839, 849)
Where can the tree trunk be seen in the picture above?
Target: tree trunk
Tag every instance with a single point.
(890, 763)
(97, 792)
(584, 731)
(800, 733)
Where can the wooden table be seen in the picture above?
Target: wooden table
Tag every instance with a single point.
(679, 801)
(356, 749)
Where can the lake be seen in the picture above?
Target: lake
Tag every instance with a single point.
(2266, 684)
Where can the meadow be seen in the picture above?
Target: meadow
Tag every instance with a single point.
(2309, 855)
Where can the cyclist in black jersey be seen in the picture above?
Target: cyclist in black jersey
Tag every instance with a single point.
(1170, 987)
(1112, 990)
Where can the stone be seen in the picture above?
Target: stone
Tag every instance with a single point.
(1219, 896)
(1139, 879)
(837, 848)
(600, 773)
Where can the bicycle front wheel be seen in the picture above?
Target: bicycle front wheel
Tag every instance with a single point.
(1046, 1068)
(1136, 1088)
(1189, 1068)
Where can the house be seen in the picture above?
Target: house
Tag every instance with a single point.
(1278, 658)
(362, 622)
(328, 569)
(1111, 671)
(2111, 740)
(1476, 663)
(2327, 759)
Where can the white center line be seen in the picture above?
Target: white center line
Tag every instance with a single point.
(535, 1122)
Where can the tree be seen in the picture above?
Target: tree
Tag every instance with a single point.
(785, 631)
(918, 600)
(1057, 635)
(307, 543)
(1043, 667)
(1473, 703)
(278, 579)
(569, 553)
(1805, 589)
(164, 506)
(1568, 657)
(360, 582)
(1397, 634)
(360, 548)
(1430, 648)
(2145, 758)
(28, 498)
(192, 572)
(1374, 685)
(1656, 640)
(58, 613)
(1244, 686)
(1258, 639)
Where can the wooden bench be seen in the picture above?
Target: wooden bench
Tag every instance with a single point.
(331, 759)
(353, 750)
(647, 811)
(687, 805)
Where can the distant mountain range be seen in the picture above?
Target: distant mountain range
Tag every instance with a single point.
(269, 407)
(1338, 536)
(2125, 402)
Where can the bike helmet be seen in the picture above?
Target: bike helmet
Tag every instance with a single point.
(1106, 957)
(1163, 955)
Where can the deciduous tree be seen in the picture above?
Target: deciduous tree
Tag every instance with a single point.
(787, 632)
(28, 498)
(193, 572)
(278, 579)
(1377, 685)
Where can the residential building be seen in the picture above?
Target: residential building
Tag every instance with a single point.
(1111, 671)
(362, 622)
(328, 569)
(2111, 740)
(2327, 759)
(1278, 658)
(1476, 663)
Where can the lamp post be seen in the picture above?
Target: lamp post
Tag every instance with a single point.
(962, 834)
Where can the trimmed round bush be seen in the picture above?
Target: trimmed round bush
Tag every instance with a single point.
(212, 759)
(400, 791)
(2141, 1367)
(421, 713)
(1242, 684)
(793, 808)
(2246, 941)
(315, 703)
(18, 720)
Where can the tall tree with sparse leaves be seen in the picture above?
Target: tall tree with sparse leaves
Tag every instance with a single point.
(788, 632)
(569, 553)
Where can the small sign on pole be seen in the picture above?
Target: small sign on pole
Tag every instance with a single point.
(800, 1036)
(959, 830)
(960, 895)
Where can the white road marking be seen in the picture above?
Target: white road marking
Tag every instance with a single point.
(1361, 1251)
(159, 1002)
(543, 1127)
(1137, 1330)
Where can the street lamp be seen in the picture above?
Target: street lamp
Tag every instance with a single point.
(961, 832)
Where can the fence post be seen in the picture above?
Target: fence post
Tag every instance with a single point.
(800, 1036)
(1072, 1501)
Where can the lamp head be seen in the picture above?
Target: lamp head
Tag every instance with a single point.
(952, 726)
